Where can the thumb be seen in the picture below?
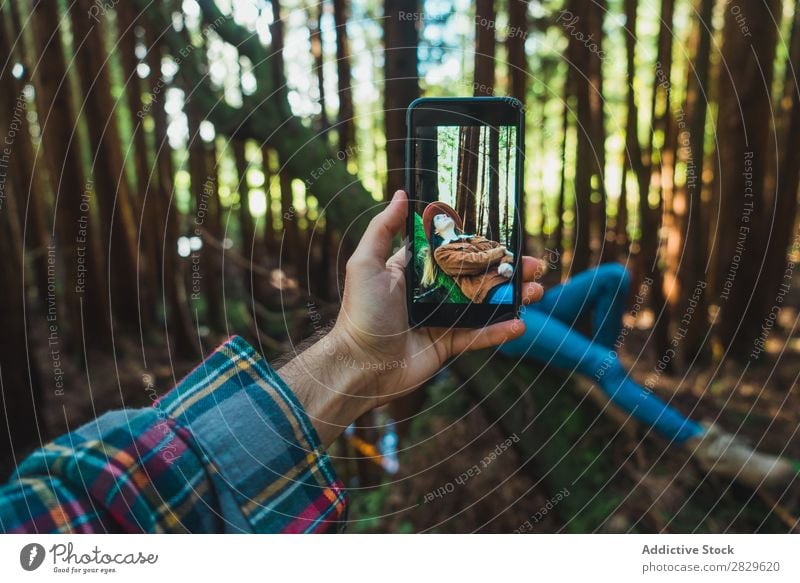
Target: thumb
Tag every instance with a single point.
(376, 244)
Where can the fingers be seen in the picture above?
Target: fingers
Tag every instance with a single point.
(376, 244)
(531, 292)
(399, 257)
(532, 268)
(463, 340)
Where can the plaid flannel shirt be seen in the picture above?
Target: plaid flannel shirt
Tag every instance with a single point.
(229, 449)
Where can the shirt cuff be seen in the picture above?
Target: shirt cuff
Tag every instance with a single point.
(258, 442)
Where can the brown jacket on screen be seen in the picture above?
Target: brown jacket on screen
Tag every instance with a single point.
(472, 262)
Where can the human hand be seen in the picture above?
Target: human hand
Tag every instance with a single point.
(372, 326)
(371, 356)
(506, 270)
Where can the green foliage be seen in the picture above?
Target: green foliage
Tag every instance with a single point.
(451, 292)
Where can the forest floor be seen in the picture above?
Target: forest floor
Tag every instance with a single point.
(761, 404)
(664, 491)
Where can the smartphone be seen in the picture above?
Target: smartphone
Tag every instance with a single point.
(464, 172)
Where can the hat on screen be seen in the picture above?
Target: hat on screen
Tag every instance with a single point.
(438, 208)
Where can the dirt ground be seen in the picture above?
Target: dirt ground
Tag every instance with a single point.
(760, 403)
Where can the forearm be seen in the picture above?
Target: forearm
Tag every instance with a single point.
(228, 449)
(334, 387)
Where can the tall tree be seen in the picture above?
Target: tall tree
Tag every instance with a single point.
(345, 123)
(111, 186)
(148, 257)
(595, 13)
(30, 181)
(468, 190)
(315, 38)
(270, 244)
(688, 240)
(744, 105)
(558, 232)
(206, 264)
(248, 233)
(401, 85)
(585, 75)
(493, 223)
(20, 382)
(633, 150)
(292, 255)
(516, 35)
(57, 119)
(178, 322)
(467, 176)
(783, 186)
(648, 170)
(485, 45)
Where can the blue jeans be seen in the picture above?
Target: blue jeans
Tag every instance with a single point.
(549, 337)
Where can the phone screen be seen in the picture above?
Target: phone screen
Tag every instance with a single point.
(464, 173)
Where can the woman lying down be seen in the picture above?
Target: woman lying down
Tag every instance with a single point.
(482, 269)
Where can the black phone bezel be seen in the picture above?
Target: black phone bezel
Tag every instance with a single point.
(452, 111)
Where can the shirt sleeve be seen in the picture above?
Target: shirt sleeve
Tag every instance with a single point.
(229, 449)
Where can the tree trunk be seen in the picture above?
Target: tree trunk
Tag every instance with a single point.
(485, 21)
(292, 255)
(206, 273)
(401, 85)
(632, 147)
(595, 12)
(648, 172)
(178, 321)
(145, 211)
(20, 383)
(345, 123)
(744, 104)
(468, 139)
(518, 77)
(30, 182)
(111, 186)
(580, 76)
(315, 38)
(631, 126)
(246, 225)
(558, 231)
(515, 49)
(688, 240)
(270, 244)
(581, 234)
(621, 241)
(493, 224)
(777, 278)
(57, 118)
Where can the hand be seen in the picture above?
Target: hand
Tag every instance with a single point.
(371, 356)
(506, 270)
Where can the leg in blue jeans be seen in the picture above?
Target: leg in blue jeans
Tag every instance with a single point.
(549, 338)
